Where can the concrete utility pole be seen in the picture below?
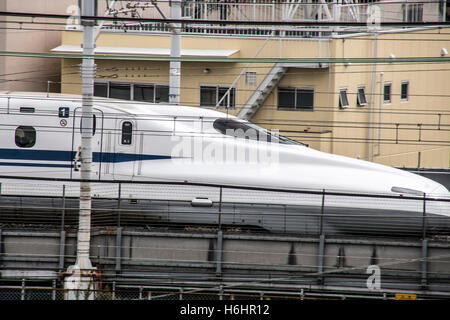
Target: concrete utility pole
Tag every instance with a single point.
(175, 52)
(81, 274)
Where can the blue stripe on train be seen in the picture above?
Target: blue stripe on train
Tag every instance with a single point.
(56, 155)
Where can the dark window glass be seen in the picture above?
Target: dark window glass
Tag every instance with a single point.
(361, 97)
(387, 92)
(162, 94)
(101, 90)
(305, 99)
(404, 93)
(25, 137)
(207, 96)
(228, 100)
(343, 100)
(286, 98)
(119, 91)
(211, 95)
(246, 130)
(27, 109)
(144, 93)
(296, 98)
(127, 132)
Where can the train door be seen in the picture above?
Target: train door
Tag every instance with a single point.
(97, 141)
(125, 157)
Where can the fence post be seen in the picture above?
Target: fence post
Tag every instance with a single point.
(322, 210)
(63, 214)
(219, 238)
(424, 264)
(22, 293)
(54, 290)
(118, 204)
(118, 249)
(219, 253)
(220, 209)
(1, 246)
(62, 249)
(62, 240)
(321, 253)
(424, 221)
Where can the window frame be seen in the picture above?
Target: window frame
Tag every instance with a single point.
(250, 78)
(296, 106)
(122, 133)
(25, 129)
(358, 102)
(341, 105)
(387, 84)
(404, 82)
(132, 89)
(217, 88)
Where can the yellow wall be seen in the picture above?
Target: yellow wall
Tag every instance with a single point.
(357, 131)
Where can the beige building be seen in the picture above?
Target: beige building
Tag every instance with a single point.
(30, 74)
(390, 111)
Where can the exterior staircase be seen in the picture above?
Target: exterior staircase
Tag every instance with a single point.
(262, 92)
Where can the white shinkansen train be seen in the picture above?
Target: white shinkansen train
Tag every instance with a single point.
(132, 141)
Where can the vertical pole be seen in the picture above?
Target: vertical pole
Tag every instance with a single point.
(54, 290)
(175, 53)
(220, 209)
(22, 292)
(118, 249)
(424, 218)
(380, 104)
(78, 284)
(1, 246)
(322, 211)
(87, 74)
(63, 214)
(370, 128)
(424, 265)
(321, 252)
(119, 196)
(219, 239)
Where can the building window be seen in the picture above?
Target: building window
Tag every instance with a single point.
(127, 132)
(101, 89)
(144, 93)
(361, 96)
(343, 99)
(387, 93)
(413, 12)
(404, 91)
(250, 78)
(296, 98)
(211, 95)
(120, 91)
(153, 93)
(25, 137)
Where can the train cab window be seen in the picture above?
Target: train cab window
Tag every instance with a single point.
(25, 137)
(246, 130)
(127, 133)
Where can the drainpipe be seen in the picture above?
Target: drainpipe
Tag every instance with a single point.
(370, 130)
(175, 53)
(379, 113)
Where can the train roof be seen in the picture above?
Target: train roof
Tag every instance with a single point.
(125, 106)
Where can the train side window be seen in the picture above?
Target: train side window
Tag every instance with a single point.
(25, 137)
(127, 132)
(94, 124)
